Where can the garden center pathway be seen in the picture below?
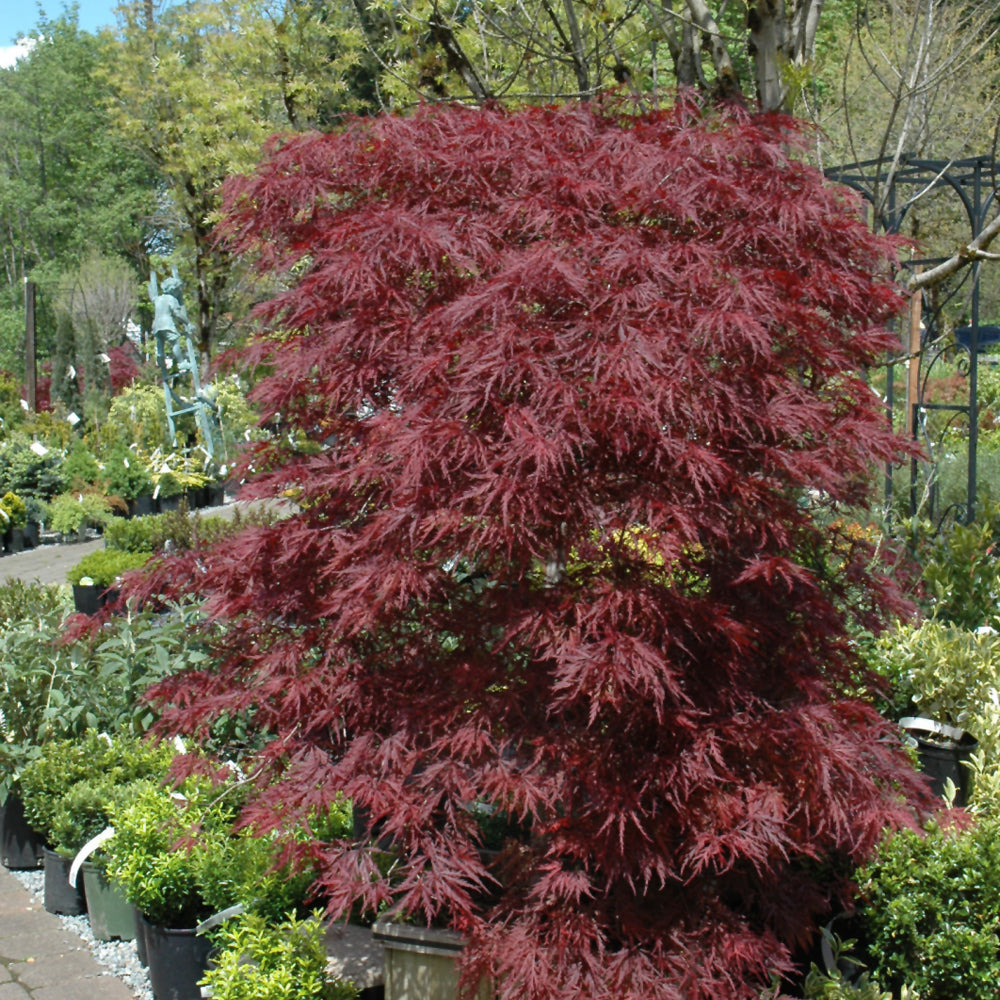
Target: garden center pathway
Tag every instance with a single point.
(41, 960)
(45, 564)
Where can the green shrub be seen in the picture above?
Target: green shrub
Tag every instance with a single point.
(22, 602)
(71, 788)
(283, 961)
(52, 690)
(142, 409)
(126, 473)
(145, 858)
(177, 858)
(952, 675)
(961, 573)
(80, 469)
(104, 566)
(69, 513)
(931, 912)
(43, 693)
(27, 473)
(181, 528)
(14, 509)
(59, 764)
(836, 984)
(179, 862)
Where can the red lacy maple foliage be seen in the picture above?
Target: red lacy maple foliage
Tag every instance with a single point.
(563, 393)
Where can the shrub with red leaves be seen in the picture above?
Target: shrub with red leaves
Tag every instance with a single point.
(124, 365)
(568, 396)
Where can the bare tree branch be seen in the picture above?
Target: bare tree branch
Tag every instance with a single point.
(966, 255)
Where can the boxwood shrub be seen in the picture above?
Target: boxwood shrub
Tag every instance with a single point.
(104, 566)
(931, 912)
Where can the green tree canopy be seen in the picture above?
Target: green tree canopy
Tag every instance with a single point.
(68, 186)
(199, 88)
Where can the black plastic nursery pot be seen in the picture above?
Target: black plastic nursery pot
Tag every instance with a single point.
(20, 846)
(141, 506)
(13, 540)
(177, 958)
(60, 896)
(89, 598)
(139, 925)
(943, 752)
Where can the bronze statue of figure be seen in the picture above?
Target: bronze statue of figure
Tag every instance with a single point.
(175, 356)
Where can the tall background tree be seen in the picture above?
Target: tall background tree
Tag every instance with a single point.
(543, 50)
(573, 408)
(68, 185)
(198, 87)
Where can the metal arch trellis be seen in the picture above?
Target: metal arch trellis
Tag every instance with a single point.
(972, 181)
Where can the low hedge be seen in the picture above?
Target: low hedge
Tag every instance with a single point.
(180, 528)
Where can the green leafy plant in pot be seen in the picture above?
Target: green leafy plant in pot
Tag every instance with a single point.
(94, 577)
(70, 790)
(285, 960)
(176, 858)
(36, 705)
(127, 474)
(71, 514)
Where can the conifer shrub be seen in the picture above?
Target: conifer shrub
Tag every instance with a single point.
(567, 399)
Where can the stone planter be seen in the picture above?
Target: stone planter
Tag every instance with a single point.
(421, 963)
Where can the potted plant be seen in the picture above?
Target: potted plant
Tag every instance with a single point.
(128, 477)
(37, 514)
(111, 773)
(177, 859)
(72, 514)
(93, 578)
(267, 960)
(15, 514)
(35, 706)
(52, 690)
(45, 780)
(159, 857)
(944, 677)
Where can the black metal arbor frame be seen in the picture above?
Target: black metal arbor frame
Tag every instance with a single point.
(972, 181)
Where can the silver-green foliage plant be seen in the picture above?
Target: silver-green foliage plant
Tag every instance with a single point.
(257, 960)
(51, 690)
(951, 674)
(43, 693)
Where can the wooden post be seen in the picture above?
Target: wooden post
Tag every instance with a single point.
(30, 359)
(913, 360)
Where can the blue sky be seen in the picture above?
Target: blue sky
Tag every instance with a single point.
(19, 17)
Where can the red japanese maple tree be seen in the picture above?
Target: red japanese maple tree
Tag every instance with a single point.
(567, 397)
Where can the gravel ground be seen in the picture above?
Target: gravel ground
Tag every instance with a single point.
(118, 957)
